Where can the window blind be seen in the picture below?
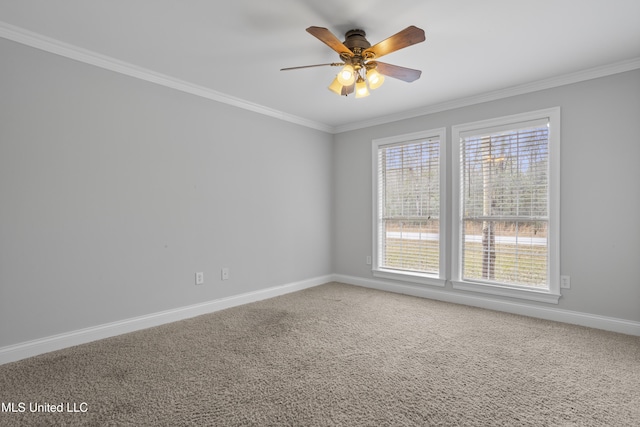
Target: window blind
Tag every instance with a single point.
(505, 199)
(409, 206)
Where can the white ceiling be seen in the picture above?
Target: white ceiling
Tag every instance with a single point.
(236, 48)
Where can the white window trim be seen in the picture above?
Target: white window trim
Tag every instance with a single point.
(413, 277)
(552, 294)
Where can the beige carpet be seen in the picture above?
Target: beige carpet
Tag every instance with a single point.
(336, 355)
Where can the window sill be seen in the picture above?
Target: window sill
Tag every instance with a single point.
(423, 279)
(504, 291)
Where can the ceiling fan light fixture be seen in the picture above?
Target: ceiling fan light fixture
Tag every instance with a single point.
(374, 78)
(347, 75)
(359, 69)
(361, 88)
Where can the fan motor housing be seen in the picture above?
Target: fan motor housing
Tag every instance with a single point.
(355, 39)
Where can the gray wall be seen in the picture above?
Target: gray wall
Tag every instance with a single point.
(600, 188)
(115, 191)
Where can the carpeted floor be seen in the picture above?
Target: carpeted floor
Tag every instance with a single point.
(336, 355)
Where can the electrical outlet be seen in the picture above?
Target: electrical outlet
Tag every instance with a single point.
(199, 278)
(565, 282)
(369, 260)
(225, 273)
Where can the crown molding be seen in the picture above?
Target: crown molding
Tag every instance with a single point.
(47, 44)
(589, 74)
(39, 41)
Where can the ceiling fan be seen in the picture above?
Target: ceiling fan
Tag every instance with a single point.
(360, 69)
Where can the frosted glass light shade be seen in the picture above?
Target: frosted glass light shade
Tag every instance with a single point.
(347, 75)
(336, 86)
(374, 78)
(361, 89)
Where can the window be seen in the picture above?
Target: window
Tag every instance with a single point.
(506, 197)
(409, 204)
(500, 232)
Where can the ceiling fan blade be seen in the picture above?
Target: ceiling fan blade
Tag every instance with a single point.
(407, 37)
(333, 64)
(329, 39)
(400, 73)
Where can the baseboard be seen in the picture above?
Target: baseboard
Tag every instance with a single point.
(27, 349)
(566, 316)
(32, 348)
